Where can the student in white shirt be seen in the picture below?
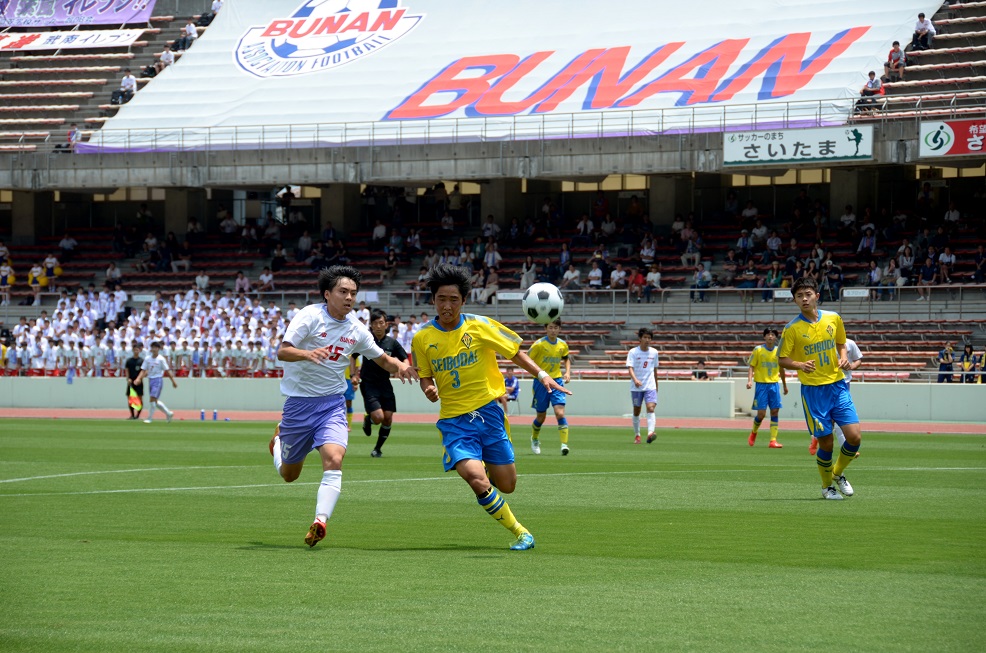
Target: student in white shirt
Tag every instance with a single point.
(924, 34)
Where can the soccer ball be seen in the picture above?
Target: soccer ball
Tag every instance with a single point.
(543, 303)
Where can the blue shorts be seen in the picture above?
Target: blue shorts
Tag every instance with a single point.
(309, 422)
(767, 395)
(543, 398)
(156, 386)
(483, 434)
(825, 404)
(639, 397)
(4, 282)
(350, 393)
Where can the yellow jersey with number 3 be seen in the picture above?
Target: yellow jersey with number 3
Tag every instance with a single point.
(462, 361)
(764, 364)
(803, 341)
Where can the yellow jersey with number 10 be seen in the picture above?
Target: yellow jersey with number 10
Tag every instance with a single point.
(803, 341)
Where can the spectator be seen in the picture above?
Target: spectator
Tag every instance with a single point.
(676, 226)
(979, 274)
(647, 251)
(636, 282)
(448, 222)
(202, 281)
(564, 256)
(390, 266)
(182, 257)
(867, 247)
(653, 282)
(790, 276)
(242, 283)
(248, 239)
(744, 246)
(946, 263)
(952, 217)
(895, 63)
(73, 138)
(329, 233)
(266, 281)
(477, 283)
(939, 240)
(490, 228)
(905, 262)
(396, 243)
(128, 86)
(924, 34)
(528, 273)
(969, 365)
(773, 281)
(378, 238)
(872, 88)
(492, 258)
(113, 274)
(490, 287)
(700, 374)
(272, 236)
(618, 278)
(303, 250)
(749, 279)
(945, 362)
(873, 277)
(227, 225)
(773, 251)
(595, 278)
(927, 276)
(572, 279)
(583, 231)
(413, 242)
(701, 279)
(193, 231)
(188, 35)
(167, 58)
(607, 228)
(691, 255)
(730, 268)
(430, 259)
(278, 259)
(750, 212)
(68, 244)
(549, 272)
(890, 279)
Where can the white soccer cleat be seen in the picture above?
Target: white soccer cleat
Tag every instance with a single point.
(148, 421)
(830, 493)
(564, 449)
(843, 484)
(169, 416)
(536, 447)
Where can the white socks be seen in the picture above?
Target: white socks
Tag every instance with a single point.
(277, 455)
(651, 423)
(328, 493)
(162, 407)
(150, 415)
(636, 424)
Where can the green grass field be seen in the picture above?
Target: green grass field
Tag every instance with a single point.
(117, 536)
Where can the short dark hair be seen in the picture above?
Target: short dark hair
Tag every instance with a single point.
(376, 314)
(770, 330)
(556, 322)
(445, 274)
(804, 283)
(644, 331)
(896, 43)
(328, 278)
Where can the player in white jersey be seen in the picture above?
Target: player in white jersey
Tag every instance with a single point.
(155, 368)
(318, 345)
(855, 357)
(642, 364)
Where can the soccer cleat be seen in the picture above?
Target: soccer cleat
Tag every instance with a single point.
(651, 437)
(317, 533)
(536, 446)
(148, 421)
(813, 447)
(830, 493)
(843, 484)
(367, 426)
(169, 416)
(774, 444)
(376, 453)
(523, 543)
(564, 449)
(636, 439)
(753, 439)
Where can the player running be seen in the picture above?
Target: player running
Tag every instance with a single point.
(379, 401)
(642, 363)
(155, 368)
(549, 353)
(456, 358)
(765, 371)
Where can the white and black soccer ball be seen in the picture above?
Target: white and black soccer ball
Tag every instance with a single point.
(543, 303)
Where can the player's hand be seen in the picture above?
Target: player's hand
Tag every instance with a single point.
(567, 378)
(431, 392)
(173, 384)
(749, 384)
(785, 389)
(638, 383)
(808, 366)
(319, 355)
(550, 384)
(844, 363)
(406, 373)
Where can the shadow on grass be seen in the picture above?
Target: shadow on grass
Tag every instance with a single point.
(264, 546)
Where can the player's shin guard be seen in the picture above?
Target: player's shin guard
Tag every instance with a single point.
(563, 430)
(328, 493)
(824, 460)
(756, 424)
(494, 504)
(773, 429)
(846, 455)
(535, 430)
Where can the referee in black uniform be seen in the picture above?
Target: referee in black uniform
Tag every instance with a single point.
(133, 369)
(374, 383)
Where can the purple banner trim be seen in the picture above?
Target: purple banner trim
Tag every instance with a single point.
(52, 13)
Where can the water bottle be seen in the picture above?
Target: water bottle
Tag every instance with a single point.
(202, 415)
(215, 415)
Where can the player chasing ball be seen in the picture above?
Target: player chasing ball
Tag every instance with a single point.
(456, 358)
(767, 374)
(379, 401)
(549, 353)
(642, 363)
(317, 347)
(814, 344)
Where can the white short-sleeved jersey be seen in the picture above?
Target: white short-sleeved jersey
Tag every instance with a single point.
(643, 363)
(313, 328)
(853, 354)
(155, 366)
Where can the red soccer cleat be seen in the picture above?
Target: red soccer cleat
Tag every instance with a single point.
(753, 439)
(813, 447)
(316, 533)
(774, 444)
(636, 440)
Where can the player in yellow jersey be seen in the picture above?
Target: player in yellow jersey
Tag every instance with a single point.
(550, 353)
(456, 358)
(767, 375)
(814, 344)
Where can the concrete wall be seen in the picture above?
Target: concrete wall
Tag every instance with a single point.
(875, 401)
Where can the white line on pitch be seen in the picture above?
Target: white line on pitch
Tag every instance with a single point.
(121, 471)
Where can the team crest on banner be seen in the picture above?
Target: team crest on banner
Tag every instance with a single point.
(321, 35)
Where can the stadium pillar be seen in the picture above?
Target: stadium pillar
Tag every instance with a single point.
(856, 186)
(341, 205)
(503, 199)
(669, 194)
(179, 205)
(31, 214)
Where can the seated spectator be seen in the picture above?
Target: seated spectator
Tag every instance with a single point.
(549, 272)
(182, 257)
(272, 236)
(946, 263)
(242, 283)
(608, 227)
(128, 86)
(71, 139)
(564, 256)
(701, 279)
(773, 250)
(490, 287)
(390, 266)
(413, 242)
(636, 282)
(927, 276)
(979, 274)
(396, 243)
(68, 244)
(676, 226)
(595, 278)
(744, 246)
(528, 273)
(773, 280)
(572, 279)
(867, 247)
(492, 258)
(969, 364)
(924, 34)
(895, 63)
(266, 281)
(279, 259)
(188, 35)
(227, 225)
(872, 88)
(490, 228)
(202, 281)
(700, 374)
(952, 217)
(477, 283)
(749, 279)
(248, 238)
(793, 275)
(749, 213)
(166, 59)
(730, 268)
(113, 274)
(618, 278)
(193, 231)
(759, 233)
(691, 254)
(448, 222)
(421, 286)
(905, 262)
(583, 231)
(303, 249)
(647, 251)
(514, 231)
(653, 282)
(940, 239)
(890, 279)
(378, 238)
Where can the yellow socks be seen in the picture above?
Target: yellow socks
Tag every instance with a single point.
(497, 507)
(846, 455)
(824, 460)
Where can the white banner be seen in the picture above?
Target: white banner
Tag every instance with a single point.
(791, 146)
(104, 38)
(305, 73)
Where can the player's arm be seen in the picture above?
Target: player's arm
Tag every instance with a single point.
(843, 356)
(288, 353)
(140, 377)
(568, 370)
(633, 376)
(524, 361)
(749, 375)
(172, 377)
(784, 381)
(429, 387)
(656, 380)
(354, 370)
